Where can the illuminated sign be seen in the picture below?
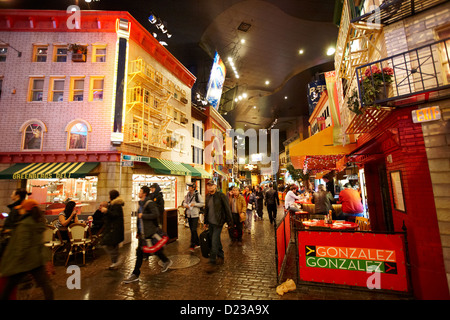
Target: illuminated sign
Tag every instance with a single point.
(353, 259)
(426, 114)
(216, 80)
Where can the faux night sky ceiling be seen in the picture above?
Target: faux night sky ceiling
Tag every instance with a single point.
(278, 30)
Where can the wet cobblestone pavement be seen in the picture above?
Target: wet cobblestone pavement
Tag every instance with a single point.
(248, 273)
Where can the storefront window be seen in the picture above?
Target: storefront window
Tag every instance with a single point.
(166, 183)
(59, 190)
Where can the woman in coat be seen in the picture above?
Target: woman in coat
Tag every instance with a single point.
(249, 199)
(25, 253)
(113, 232)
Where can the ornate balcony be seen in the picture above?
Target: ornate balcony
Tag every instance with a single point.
(413, 77)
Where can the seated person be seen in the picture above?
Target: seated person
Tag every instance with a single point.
(289, 201)
(66, 218)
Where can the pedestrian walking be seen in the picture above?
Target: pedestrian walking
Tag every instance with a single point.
(193, 201)
(217, 212)
(250, 201)
(272, 202)
(17, 196)
(238, 208)
(259, 195)
(25, 253)
(147, 226)
(113, 233)
(157, 196)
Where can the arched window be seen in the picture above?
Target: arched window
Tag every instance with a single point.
(33, 135)
(77, 136)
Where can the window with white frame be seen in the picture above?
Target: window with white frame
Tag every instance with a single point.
(60, 54)
(32, 136)
(56, 89)
(96, 89)
(76, 89)
(36, 92)
(77, 136)
(40, 53)
(99, 54)
(3, 52)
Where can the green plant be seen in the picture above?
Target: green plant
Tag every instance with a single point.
(298, 174)
(374, 82)
(77, 48)
(353, 102)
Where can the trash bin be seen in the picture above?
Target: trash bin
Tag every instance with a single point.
(170, 223)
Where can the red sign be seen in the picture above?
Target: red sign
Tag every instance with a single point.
(375, 261)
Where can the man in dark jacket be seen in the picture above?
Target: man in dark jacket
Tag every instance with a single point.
(157, 196)
(147, 227)
(272, 201)
(217, 212)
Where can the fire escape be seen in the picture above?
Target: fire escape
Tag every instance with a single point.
(146, 113)
(416, 74)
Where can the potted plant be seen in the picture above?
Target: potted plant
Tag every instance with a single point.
(353, 102)
(374, 83)
(78, 52)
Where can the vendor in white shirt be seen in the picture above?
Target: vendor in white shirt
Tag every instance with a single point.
(289, 200)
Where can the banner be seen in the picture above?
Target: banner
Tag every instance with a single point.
(375, 261)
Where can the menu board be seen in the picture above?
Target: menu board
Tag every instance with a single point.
(397, 191)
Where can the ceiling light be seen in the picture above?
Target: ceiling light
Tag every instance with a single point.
(237, 76)
(230, 59)
(254, 107)
(242, 41)
(244, 95)
(87, 1)
(330, 51)
(285, 97)
(267, 82)
(169, 35)
(300, 51)
(163, 43)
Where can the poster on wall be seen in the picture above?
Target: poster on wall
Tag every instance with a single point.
(397, 191)
(374, 261)
(215, 83)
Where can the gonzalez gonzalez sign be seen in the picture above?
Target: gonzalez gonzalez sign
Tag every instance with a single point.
(352, 259)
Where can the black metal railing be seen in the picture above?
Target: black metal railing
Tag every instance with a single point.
(390, 11)
(422, 73)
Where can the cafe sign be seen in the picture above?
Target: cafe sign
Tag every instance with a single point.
(426, 114)
(353, 259)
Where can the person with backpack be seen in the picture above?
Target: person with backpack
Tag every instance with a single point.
(272, 201)
(147, 227)
(193, 202)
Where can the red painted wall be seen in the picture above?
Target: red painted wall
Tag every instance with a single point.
(399, 137)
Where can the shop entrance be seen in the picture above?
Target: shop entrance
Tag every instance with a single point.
(378, 198)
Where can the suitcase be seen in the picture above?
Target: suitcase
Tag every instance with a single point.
(234, 233)
(205, 243)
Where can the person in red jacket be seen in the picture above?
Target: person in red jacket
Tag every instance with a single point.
(351, 203)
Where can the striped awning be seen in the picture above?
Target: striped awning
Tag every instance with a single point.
(197, 171)
(163, 166)
(223, 174)
(49, 170)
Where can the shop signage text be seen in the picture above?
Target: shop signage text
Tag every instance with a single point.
(18, 176)
(127, 157)
(426, 114)
(353, 258)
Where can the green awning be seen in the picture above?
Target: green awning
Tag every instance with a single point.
(163, 166)
(49, 170)
(197, 171)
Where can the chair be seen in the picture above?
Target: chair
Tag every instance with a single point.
(52, 239)
(363, 223)
(80, 238)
